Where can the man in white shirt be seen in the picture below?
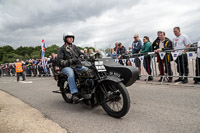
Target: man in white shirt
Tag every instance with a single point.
(196, 80)
(181, 43)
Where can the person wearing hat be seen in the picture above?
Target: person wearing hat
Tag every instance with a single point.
(19, 70)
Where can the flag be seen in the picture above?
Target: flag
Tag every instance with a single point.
(190, 55)
(116, 60)
(141, 58)
(124, 61)
(162, 55)
(43, 55)
(174, 55)
(132, 60)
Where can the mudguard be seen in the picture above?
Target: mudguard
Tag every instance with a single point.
(97, 89)
(108, 78)
(129, 74)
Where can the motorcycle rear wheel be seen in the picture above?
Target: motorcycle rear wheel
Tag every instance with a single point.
(115, 99)
(67, 96)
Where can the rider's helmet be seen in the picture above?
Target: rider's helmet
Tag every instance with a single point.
(68, 34)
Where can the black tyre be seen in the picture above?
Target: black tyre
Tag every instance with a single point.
(115, 99)
(67, 96)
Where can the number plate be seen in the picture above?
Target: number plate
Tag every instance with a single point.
(99, 66)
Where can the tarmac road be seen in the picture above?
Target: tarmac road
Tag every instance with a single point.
(154, 108)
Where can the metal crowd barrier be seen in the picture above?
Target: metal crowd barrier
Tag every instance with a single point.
(191, 56)
(28, 72)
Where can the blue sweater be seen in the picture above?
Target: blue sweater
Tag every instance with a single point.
(137, 46)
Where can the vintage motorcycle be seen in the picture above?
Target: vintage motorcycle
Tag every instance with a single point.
(103, 83)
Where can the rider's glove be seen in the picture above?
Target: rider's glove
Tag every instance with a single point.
(65, 63)
(76, 62)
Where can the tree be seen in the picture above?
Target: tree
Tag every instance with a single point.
(51, 49)
(107, 50)
(36, 54)
(24, 50)
(8, 49)
(5, 50)
(10, 57)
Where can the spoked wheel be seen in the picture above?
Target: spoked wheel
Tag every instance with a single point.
(67, 96)
(115, 99)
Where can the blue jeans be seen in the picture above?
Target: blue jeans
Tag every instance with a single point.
(68, 71)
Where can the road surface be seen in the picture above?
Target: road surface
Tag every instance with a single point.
(154, 108)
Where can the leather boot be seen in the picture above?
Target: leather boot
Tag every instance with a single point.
(75, 98)
(185, 80)
(170, 79)
(179, 79)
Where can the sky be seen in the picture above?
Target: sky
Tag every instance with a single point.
(95, 23)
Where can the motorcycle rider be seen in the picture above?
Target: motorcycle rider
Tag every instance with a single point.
(68, 58)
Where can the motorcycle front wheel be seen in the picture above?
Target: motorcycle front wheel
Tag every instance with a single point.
(115, 99)
(67, 96)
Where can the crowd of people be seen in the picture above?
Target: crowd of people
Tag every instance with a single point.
(34, 67)
(31, 67)
(180, 43)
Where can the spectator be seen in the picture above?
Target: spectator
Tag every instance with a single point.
(116, 47)
(28, 68)
(121, 53)
(136, 47)
(112, 53)
(12, 69)
(196, 80)
(98, 54)
(53, 61)
(47, 64)
(164, 44)
(49, 59)
(7, 69)
(181, 42)
(82, 51)
(3, 70)
(34, 67)
(40, 68)
(155, 45)
(0, 71)
(91, 52)
(147, 47)
(86, 54)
